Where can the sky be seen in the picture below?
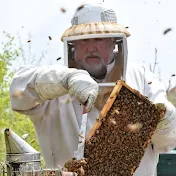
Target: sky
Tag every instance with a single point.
(146, 19)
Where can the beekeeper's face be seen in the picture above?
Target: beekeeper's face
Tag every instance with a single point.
(94, 55)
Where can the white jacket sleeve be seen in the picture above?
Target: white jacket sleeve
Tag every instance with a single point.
(25, 88)
(23, 95)
(164, 138)
(32, 86)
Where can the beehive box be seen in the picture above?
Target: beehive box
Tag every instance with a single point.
(118, 139)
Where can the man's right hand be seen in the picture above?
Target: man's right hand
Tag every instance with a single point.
(56, 81)
(83, 87)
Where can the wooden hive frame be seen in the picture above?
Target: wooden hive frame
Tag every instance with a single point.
(117, 141)
(108, 106)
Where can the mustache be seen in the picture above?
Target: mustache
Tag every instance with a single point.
(92, 54)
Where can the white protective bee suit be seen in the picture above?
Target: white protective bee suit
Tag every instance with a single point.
(47, 95)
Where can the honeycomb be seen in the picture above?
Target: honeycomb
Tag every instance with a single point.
(118, 139)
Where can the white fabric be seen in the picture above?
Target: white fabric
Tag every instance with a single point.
(83, 87)
(172, 84)
(62, 81)
(57, 121)
(93, 12)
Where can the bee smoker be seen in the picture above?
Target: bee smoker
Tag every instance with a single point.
(21, 158)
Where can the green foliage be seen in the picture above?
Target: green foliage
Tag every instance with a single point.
(8, 118)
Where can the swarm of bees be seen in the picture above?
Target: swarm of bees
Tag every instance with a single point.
(118, 139)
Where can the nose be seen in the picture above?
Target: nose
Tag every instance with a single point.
(91, 46)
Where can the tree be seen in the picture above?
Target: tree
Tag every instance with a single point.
(8, 118)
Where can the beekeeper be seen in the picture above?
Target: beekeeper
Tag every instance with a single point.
(95, 57)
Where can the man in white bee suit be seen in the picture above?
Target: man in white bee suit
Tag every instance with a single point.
(53, 96)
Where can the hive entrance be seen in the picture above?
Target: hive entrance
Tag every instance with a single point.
(118, 139)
